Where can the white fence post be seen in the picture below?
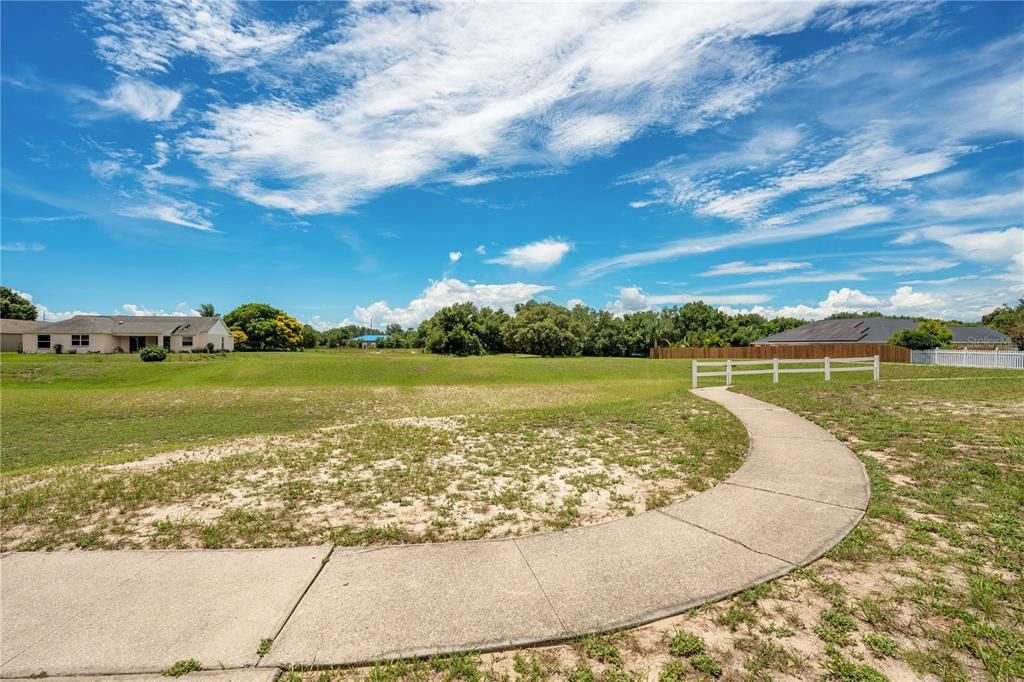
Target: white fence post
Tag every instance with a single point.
(828, 369)
(693, 366)
(728, 372)
(775, 370)
(877, 367)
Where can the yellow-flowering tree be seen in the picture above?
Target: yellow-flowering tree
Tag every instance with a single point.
(264, 327)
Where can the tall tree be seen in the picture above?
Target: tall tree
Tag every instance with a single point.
(14, 306)
(207, 310)
(265, 327)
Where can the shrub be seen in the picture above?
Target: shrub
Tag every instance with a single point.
(153, 354)
(210, 347)
(58, 348)
(118, 350)
(915, 339)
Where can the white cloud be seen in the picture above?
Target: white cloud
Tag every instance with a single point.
(842, 300)
(141, 99)
(446, 292)
(906, 298)
(45, 314)
(169, 210)
(986, 246)
(454, 256)
(838, 222)
(22, 247)
(634, 299)
(739, 267)
(181, 310)
(484, 85)
(481, 250)
(573, 302)
(537, 255)
(148, 36)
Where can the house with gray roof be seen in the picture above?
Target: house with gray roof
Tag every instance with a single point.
(11, 331)
(877, 330)
(129, 333)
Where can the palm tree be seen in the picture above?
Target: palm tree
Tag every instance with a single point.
(206, 310)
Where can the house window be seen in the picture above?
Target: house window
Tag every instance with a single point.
(43, 342)
(186, 341)
(79, 339)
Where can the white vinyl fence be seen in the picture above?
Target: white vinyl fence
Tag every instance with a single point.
(996, 359)
(827, 368)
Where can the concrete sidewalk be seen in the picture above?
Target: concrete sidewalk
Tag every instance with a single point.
(799, 492)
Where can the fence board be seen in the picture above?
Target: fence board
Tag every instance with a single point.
(809, 351)
(999, 359)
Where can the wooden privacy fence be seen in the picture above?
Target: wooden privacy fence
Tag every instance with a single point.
(1001, 359)
(809, 351)
(829, 366)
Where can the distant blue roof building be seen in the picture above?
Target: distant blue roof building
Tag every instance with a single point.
(370, 338)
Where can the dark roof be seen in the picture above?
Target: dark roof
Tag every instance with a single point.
(851, 330)
(873, 330)
(978, 334)
(19, 326)
(125, 325)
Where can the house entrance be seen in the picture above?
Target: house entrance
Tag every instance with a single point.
(135, 343)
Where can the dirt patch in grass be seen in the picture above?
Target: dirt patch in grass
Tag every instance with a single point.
(382, 478)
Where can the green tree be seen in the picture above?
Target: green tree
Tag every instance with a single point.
(310, 337)
(207, 310)
(938, 329)
(453, 330)
(14, 306)
(915, 339)
(265, 327)
(543, 329)
(1009, 321)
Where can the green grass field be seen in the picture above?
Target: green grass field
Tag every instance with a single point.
(357, 448)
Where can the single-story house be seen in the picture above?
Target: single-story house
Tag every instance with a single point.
(369, 340)
(877, 330)
(11, 332)
(105, 333)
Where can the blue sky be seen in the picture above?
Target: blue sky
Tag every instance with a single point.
(357, 162)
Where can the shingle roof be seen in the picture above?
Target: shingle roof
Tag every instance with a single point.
(873, 330)
(126, 325)
(852, 330)
(977, 334)
(19, 326)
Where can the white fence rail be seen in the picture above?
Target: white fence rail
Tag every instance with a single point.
(996, 359)
(829, 366)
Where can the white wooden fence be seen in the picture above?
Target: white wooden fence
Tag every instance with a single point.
(829, 366)
(996, 359)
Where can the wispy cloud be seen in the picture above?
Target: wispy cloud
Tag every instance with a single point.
(739, 267)
(22, 247)
(635, 299)
(141, 99)
(538, 255)
(838, 222)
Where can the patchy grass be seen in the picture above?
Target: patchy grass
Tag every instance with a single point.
(397, 464)
(929, 586)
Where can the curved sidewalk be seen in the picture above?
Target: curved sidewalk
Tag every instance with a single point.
(798, 493)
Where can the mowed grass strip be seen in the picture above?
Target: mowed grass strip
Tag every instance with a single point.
(75, 408)
(411, 462)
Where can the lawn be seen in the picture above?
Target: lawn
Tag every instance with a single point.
(398, 447)
(261, 450)
(929, 586)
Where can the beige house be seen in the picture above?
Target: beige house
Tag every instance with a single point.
(11, 332)
(105, 333)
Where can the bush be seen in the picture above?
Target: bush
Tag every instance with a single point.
(153, 354)
(915, 339)
(210, 347)
(58, 348)
(118, 350)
